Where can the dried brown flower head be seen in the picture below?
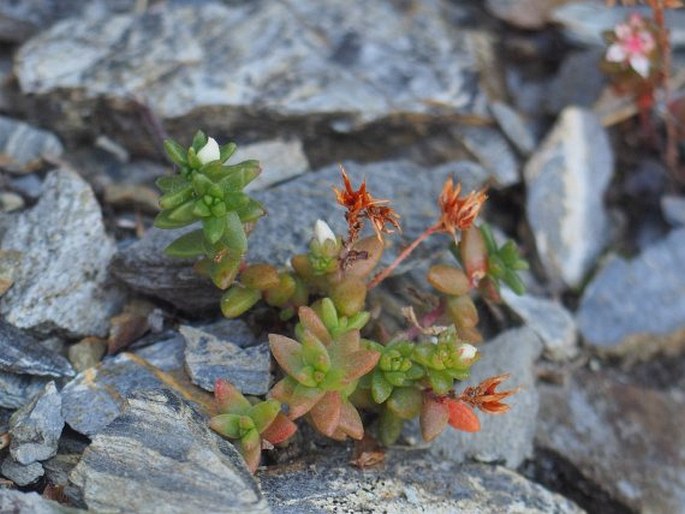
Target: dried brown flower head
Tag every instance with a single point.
(360, 205)
(458, 213)
(486, 398)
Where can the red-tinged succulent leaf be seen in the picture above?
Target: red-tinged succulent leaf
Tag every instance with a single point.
(288, 353)
(474, 254)
(303, 399)
(448, 279)
(264, 413)
(227, 425)
(280, 430)
(228, 399)
(350, 422)
(314, 352)
(260, 276)
(251, 449)
(345, 345)
(405, 402)
(283, 390)
(326, 413)
(462, 416)
(373, 248)
(434, 418)
(349, 296)
(359, 364)
(313, 323)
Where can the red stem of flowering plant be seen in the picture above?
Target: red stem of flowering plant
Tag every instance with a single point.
(405, 253)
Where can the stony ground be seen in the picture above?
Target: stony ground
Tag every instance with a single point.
(109, 350)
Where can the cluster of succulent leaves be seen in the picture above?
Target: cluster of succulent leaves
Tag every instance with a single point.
(330, 371)
(208, 191)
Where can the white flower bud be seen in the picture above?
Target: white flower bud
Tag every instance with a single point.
(467, 351)
(322, 232)
(210, 152)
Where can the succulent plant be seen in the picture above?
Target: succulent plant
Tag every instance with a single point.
(255, 425)
(322, 370)
(209, 191)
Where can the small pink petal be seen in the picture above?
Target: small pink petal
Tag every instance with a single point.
(616, 53)
(640, 64)
(622, 31)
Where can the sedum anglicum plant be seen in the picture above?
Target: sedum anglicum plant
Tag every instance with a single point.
(333, 374)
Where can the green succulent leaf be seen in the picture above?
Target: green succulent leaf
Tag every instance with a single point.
(380, 387)
(252, 210)
(175, 198)
(187, 246)
(226, 151)
(264, 413)
(234, 235)
(199, 140)
(440, 381)
(239, 175)
(238, 300)
(228, 425)
(389, 427)
(405, 402)
(214, 228)
(171, 183)
(175, 152)
(163, 220)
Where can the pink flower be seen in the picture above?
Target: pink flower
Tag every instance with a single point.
(633, 46)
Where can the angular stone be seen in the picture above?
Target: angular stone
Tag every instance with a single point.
(408, 482)
(627, 439)
(209, 357)
(19, 473)
(11, 202)
(69, 452)
(508, 438)
(16, 390)
(23, 354)
(144, 268)
(524, 14)
(167, 354)
(514, 127)
(10, 261)
(98, 395)
(162, 454)
(641, 298)
(281, 160)
(673, 208)
(36, 427)
(584, 22)
(29, 186)
(578, 82)
(23, 146)
(549, 320)
(62, 284)
(217, 64)
(566, 180)
(87, 353)
(493, 152)
(17, 502)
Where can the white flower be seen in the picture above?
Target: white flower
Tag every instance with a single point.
(210, 152)
(467, 351)
(322, 232)
(633, 46)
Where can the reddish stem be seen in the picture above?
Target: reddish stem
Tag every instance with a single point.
(405, 253)
(427, 320)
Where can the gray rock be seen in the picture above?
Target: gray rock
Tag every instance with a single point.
(626, 438)
(24, 146)
(36, 427)
(163, 455)
(30, 503)
(69, 452)
(514, 127)
(507, 439)
(493, 152)
(11, 202)
(16, 390)
(409, 482)
(549, 320)
(316, 69)
(584, 21)
(23, 354)
(87, 353)
(19, 473)
(578, 82)
(143, 267)
(566, 179)
(10, 262)
(280, 160)
(167, 354)
(62, 282)
(642, 297)
(209, 357)
(524, 14)
(98, 395)
(673, 208)
(30, 186)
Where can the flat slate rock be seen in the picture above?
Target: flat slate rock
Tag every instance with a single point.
(209, 358)
(35, 429)
(16, 390)
(524, 14)
(626, 438)
(504, 439)
(62, 284)
(317, 68)
(23, 146)
(17, 502)
(408, 482)
(673, 208)
(22, 354)
(160, 456)
(21, 474)
(639, 297)
(566, 179)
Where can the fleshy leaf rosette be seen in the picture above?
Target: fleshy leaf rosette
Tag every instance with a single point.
(255, 425)
(322, 371)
